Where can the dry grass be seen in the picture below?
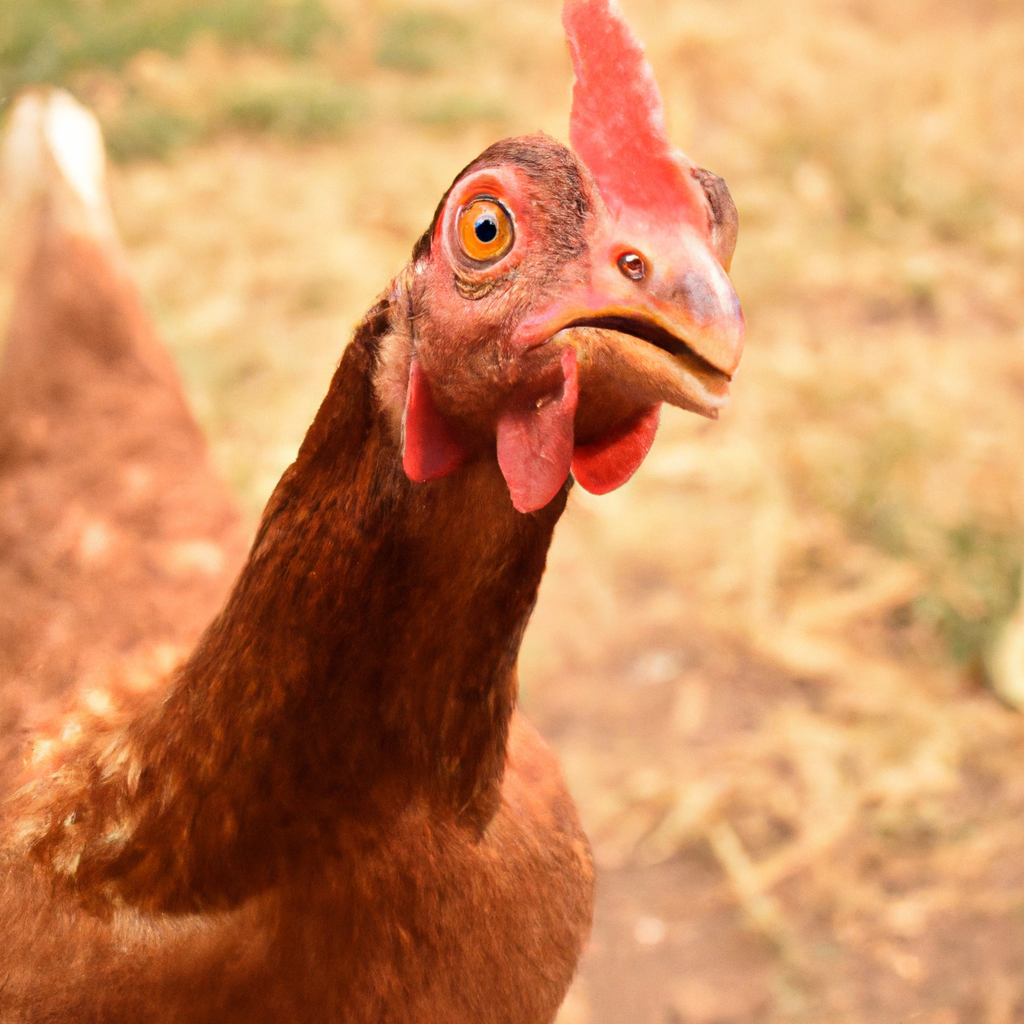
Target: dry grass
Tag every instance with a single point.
(855, 519)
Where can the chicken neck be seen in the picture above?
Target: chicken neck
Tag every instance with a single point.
(365, 662)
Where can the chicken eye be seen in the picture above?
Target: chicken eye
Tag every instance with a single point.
(633, 266)
(485, 230)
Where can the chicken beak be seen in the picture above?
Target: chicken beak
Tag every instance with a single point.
(646, 319)
(652, 319)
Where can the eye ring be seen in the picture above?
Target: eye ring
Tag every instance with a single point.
(485, 230)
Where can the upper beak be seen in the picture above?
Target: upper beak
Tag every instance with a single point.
(673, 335)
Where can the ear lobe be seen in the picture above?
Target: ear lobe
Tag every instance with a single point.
(535, 445)
(429, 450)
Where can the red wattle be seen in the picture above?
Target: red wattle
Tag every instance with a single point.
(429, 450)
(535, 445)
(602, 466)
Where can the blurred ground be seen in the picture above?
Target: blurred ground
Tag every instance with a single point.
(768, 662)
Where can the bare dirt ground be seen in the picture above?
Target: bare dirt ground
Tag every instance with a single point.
(768, 662)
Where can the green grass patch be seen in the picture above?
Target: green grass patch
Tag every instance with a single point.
(295, 109)
(144, 132)
(47, 41)
(974, 567)
(455, 111)
(981, 591)
(419, 42)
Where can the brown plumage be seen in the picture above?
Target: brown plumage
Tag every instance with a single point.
(332, 810)
(117, 540)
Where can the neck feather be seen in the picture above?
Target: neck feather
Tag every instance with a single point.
(365, 660)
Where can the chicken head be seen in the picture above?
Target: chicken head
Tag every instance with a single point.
(560, 296)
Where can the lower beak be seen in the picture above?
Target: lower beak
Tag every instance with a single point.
(621, 373)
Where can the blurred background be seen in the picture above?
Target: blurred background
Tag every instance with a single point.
(783, 666)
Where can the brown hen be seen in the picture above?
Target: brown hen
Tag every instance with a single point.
(332, 811)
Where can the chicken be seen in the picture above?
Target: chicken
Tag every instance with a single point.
(118, 542)
(333, 810)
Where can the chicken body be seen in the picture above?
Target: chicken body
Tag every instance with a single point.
(292, 834)
(273, 836)
(421, 921)
(331, 811)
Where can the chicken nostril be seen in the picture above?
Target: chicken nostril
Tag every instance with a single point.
(633, 266)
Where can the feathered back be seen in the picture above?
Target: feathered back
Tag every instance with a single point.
(117, 539)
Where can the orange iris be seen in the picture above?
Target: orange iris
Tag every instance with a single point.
(485, 230)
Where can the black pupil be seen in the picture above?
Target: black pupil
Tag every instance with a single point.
(486, 228)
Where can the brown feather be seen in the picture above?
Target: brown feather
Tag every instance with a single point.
(318, 818)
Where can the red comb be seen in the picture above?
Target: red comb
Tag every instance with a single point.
(617, 126)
